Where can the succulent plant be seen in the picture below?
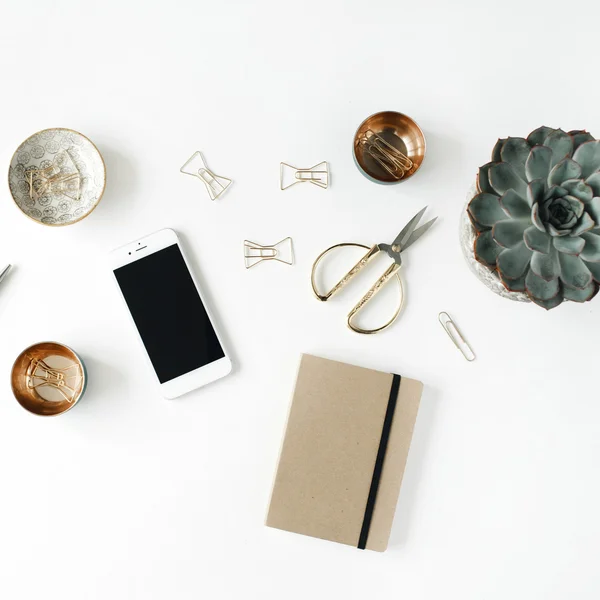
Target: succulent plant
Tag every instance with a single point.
(537, 214)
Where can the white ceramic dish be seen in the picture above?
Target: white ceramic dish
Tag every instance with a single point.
(57, 177)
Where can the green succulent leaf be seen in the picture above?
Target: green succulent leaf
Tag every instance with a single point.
(540, 288)
(537, 136)
(579, 189)
(561, 145)
(573, 271)
(594, 269)
(510, 232)
(515, 206)
(575, 204)
(559, 213)
(486, 209)
(580, 137)
(588, 156)
(515, 152)
(555, 191)
(496, 152)
(486, 249)
(548, 304)
(513, 262)
(585, 224)
(556, 232)
(591, 251)
(476, 226)
(583, 295)
(483, 179)
(546, 266)
(503, 177)
(565, 169)
(537, 240)
(537, 165)
(571, 223)
(514, 285)
(593, 209)
(536, 219)
(569, 245)
(536, 191)
(594, 182)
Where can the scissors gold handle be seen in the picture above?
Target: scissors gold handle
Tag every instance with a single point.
(378, 285)
(408, 236)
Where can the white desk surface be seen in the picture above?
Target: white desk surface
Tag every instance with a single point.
(132, 497)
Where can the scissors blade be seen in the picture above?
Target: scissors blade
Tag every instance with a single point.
(4, 272)
(417, 233)
(403, 236)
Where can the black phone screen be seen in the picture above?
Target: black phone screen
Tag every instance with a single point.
(168, 313)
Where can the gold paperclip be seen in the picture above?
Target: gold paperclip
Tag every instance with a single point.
(215, 184)
(317, 175)
(58, 178)
(456, 336)
(396, 163)
(282, 251)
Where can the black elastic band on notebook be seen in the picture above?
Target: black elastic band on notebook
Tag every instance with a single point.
(383, 442)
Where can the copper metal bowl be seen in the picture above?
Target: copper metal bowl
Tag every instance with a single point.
(48, 379)
(399, 131)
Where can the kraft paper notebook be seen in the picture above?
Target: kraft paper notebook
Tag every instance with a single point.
(344, 452)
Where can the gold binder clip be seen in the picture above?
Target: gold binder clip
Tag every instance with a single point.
(282, 251)
(215, 184)
(318, 175)
(40, 374)
(60, 178)
(456, 336)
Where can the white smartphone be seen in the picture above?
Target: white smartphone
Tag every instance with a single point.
(170, 314)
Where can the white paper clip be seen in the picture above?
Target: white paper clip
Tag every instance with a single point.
(456, 336)
(289, 176)
(215, 184)
(281, 251)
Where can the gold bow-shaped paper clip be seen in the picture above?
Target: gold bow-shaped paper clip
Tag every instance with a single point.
(317, 175)
(215, 184)
(282, 251)
(60, 178)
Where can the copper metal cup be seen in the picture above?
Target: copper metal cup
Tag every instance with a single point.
(397, 130)
(48, 399)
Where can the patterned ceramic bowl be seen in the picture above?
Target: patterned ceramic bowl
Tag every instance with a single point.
(57, 177)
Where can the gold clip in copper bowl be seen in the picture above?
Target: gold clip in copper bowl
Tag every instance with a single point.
(48, 379)
(389, 147)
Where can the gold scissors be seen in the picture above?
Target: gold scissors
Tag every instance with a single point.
(408, 236)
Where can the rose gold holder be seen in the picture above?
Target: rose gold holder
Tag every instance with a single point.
(48, 379)
(388, 147)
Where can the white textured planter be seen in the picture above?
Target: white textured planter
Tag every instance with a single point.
(486, 275)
